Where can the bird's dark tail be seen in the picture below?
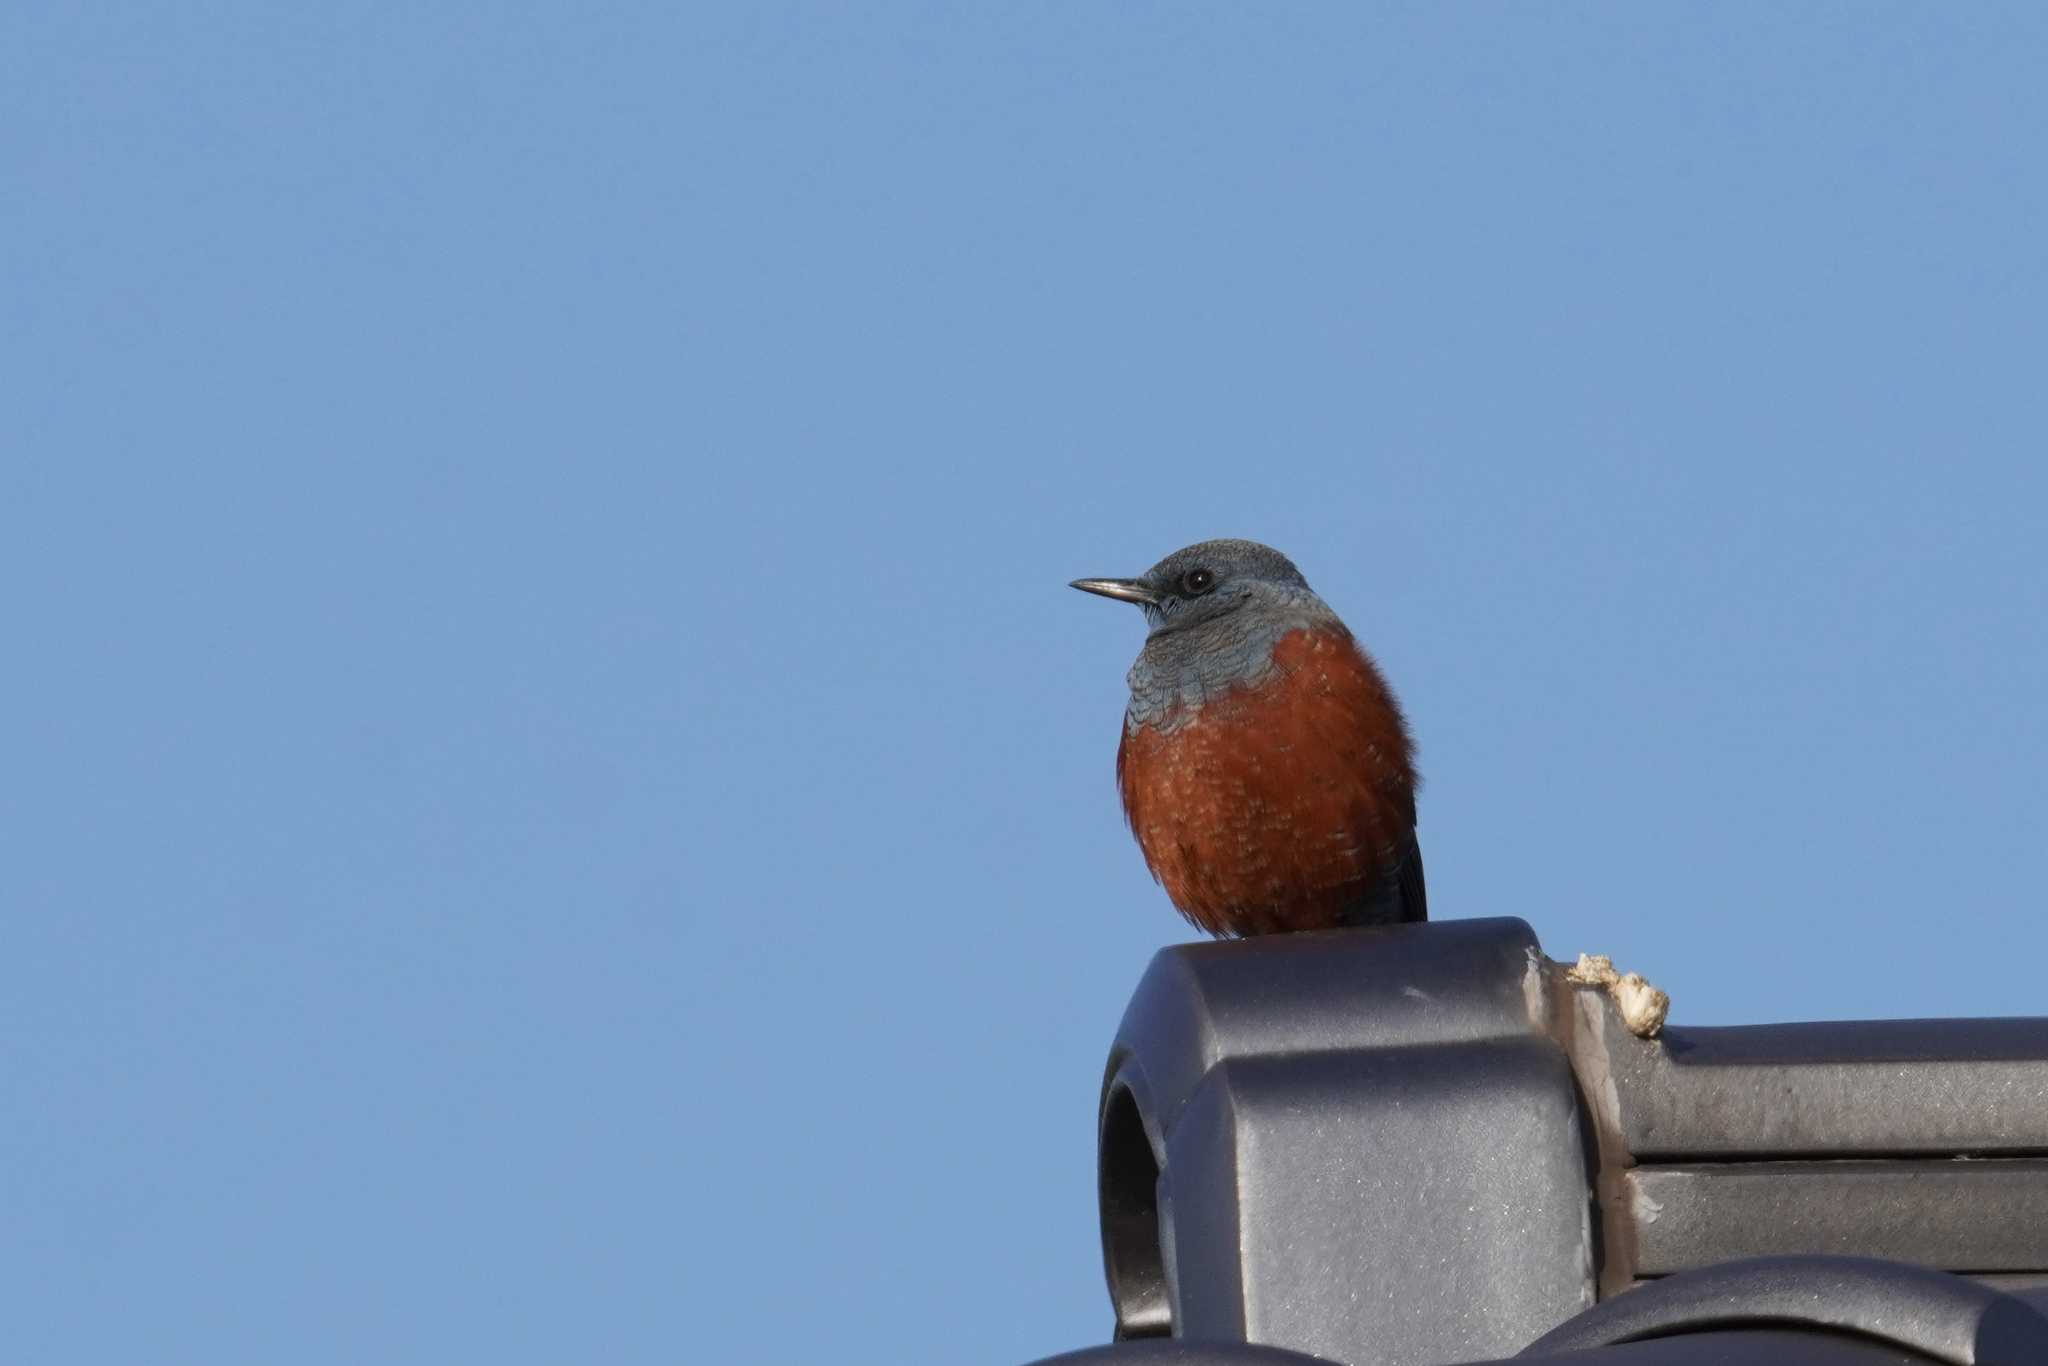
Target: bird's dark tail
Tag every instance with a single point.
(1414, 895)
(1401, 898)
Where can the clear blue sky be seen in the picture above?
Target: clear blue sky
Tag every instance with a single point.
(557, 805)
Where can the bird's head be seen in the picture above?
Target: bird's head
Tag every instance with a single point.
(1207, 581)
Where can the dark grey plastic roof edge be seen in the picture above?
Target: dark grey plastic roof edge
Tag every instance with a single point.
(1948, 1318)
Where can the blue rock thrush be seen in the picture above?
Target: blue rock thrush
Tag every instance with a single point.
(1265, 767)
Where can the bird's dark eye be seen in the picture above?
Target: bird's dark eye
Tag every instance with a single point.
(1197, 582)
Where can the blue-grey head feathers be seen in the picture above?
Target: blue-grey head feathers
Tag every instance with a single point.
(1220, 607)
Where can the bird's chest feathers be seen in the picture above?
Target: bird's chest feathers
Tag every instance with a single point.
(1179, 674)
(1278, 793)
(1313, 729)
(1265, 710)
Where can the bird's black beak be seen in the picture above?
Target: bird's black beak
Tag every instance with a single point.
(1123, 590)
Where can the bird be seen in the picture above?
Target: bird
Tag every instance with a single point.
(1265, 767)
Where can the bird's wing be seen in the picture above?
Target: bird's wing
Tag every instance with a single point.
(1354, 715)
